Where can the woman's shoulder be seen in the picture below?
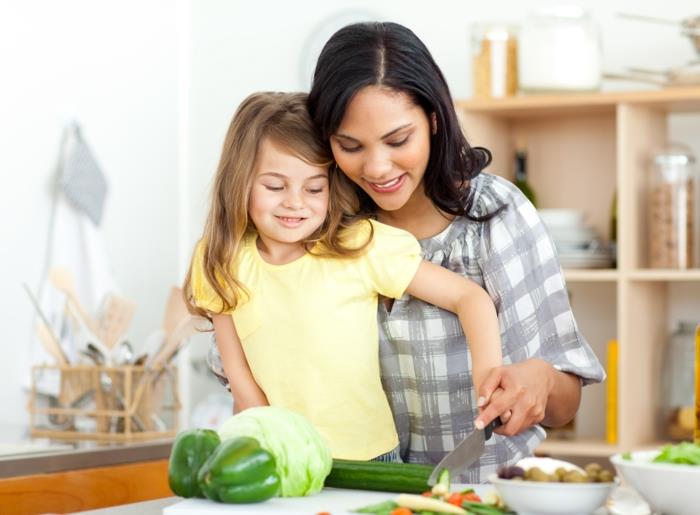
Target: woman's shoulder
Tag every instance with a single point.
(490, 192)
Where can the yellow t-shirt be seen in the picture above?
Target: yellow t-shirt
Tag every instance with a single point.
(309, 333)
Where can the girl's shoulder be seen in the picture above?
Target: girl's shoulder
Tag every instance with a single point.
(366, 228)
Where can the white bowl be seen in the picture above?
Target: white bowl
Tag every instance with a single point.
(669, 489)
(561, 217)
(532, 497)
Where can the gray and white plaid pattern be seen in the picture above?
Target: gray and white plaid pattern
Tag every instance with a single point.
(426, 369)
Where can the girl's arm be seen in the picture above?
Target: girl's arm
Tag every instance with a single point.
(246, 392)
(477, 314)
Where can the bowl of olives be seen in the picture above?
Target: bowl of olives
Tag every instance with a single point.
(545, 486)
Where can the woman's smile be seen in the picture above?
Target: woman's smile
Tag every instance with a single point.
(389, 186)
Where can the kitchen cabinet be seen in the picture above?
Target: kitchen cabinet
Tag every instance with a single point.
(582, 148)
(89, 476)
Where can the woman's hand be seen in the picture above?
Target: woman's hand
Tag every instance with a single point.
(533, 391)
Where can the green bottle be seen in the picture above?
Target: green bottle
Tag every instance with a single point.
(521, 176)
(613, 229)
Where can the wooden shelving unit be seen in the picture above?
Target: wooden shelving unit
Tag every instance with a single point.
(581, 150)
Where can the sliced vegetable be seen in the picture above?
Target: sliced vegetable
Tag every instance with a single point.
(478, 508)
(420, 503)
(455, 498)
(379, 476)
(189, 452)
(382, 508)
(239, 471)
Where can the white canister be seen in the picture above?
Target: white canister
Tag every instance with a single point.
(559, 50)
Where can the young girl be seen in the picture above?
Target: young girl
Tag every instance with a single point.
(290, 277)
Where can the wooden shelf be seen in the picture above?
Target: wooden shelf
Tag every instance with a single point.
(577, 448)
(665, 275)
(592, 276)
(670, 99)
(589, 447)
(584, 150)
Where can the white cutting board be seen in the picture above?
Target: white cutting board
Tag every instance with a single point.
(332, 500)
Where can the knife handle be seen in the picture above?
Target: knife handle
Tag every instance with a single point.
(488, 430)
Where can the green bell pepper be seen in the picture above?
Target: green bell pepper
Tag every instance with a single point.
(239, 471)
(189, 452)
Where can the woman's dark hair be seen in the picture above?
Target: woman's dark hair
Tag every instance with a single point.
(391, 55)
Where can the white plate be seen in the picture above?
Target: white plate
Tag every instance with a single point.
(561, 217)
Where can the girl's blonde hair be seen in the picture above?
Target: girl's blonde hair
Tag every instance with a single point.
(283, 119)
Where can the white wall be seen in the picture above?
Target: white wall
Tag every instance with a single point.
(114, 65)
(240, 47)
(111, 65)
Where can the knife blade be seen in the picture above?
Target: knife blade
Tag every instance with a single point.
(467, 452)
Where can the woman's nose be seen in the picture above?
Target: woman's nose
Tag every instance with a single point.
(377, 166)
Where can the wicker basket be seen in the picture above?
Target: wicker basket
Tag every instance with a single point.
(111, 404)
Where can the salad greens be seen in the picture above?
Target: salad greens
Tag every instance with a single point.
(684, 453)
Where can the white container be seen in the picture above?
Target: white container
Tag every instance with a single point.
(668, 488)
(559, 50)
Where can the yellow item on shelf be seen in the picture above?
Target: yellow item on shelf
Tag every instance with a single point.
(697, 385)
(611, 394)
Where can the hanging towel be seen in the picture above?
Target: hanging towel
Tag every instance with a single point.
(82, 180)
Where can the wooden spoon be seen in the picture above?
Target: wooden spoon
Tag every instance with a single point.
(63, 280)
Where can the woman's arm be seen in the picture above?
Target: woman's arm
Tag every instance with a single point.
(246, 392)
(477, 314)
(534, 391)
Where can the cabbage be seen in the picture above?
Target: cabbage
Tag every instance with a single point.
(302, 455)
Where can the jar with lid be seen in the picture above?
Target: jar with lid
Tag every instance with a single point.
(672, 206)
(678, 379)
(494, 60)
(559, 50)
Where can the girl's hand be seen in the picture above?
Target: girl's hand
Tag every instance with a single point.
(521, 388)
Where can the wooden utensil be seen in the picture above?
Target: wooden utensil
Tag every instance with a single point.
(175, 310)
(48, 339)
(184, 328)
(89, 337)
(52, 346)
(63, 280)
(115, 319)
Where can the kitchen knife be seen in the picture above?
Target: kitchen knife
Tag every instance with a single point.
(467, 452)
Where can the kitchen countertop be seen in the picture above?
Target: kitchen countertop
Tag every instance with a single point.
(154, 507)
(79, 455)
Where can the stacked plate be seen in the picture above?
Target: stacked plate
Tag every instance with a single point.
(578, 245)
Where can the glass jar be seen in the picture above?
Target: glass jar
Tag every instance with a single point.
(559, 50)
(678, 379)
(494, 60)
(672, 209)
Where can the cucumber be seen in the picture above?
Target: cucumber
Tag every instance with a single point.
(407, 478)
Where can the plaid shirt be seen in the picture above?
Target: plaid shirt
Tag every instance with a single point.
(425, 364)
(426, 369)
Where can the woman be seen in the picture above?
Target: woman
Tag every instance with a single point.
(382, 104)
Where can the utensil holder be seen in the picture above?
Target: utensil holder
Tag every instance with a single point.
(109, 404)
